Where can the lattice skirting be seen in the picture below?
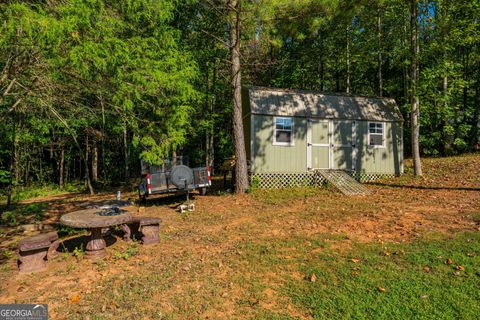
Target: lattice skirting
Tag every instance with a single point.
(276, 180)
(367, 177)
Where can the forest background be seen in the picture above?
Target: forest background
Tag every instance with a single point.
(90, 87)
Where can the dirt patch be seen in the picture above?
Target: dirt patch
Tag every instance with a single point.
(213, 263)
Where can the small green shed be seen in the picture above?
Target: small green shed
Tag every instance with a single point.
(291, 133)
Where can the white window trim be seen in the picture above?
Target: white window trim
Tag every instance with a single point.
(285, 144)
(383, 136)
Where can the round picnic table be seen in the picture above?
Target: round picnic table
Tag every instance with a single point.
(95, 220)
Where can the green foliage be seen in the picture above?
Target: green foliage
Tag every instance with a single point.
(9, 218)
(79, 252)
(254, 184)
(129, 252)
(124, 57)
(24, 213)
(31, 192)
(147, 78)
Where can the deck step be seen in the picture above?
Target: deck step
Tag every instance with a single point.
(344, 182)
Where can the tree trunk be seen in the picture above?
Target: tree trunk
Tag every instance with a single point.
(337, 80)
(87, 158)
(61, 166)
(447, 138)
(104, 177)
(322, 74)
(125, 150)
(406, 80)
(12, 162)
(347, 82)
(379, 55)
(211, 134)
(16, 155)
(94, 161)
(474, 137)
(415, 115)
(241, 183)
(174, 157)
(27, 172)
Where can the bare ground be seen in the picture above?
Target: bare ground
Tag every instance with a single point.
(205, 266)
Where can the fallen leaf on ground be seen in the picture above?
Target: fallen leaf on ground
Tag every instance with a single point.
(355, 273)
(355, 260)
(380, 289)
(471, 254)
(426, 269)
(75, 299)
(356, 268)
(313, 278)
(449, 261)
(461, 268)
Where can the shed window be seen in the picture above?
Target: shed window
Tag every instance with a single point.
(283, 131)
(375, 134)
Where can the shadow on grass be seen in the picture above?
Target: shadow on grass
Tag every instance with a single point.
(70, 244)
(393, 185)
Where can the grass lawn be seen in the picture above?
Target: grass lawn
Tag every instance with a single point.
(410, 250)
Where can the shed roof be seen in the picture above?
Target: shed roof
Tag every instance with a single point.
(285, 102)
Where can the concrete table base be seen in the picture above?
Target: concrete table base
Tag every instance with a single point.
(96, 245)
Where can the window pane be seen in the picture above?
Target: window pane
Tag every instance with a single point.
(283, 123)
(375, 127)
(283, 136)
(279, 123)
(376, 140)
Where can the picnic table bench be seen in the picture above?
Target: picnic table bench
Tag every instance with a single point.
(33, 251)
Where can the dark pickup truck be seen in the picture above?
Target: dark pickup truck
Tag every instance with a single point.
(173, 176)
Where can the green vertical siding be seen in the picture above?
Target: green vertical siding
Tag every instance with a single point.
(271, 158)
(386, 160)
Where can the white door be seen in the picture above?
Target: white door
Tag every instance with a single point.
(330, 144)
(318, 144)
